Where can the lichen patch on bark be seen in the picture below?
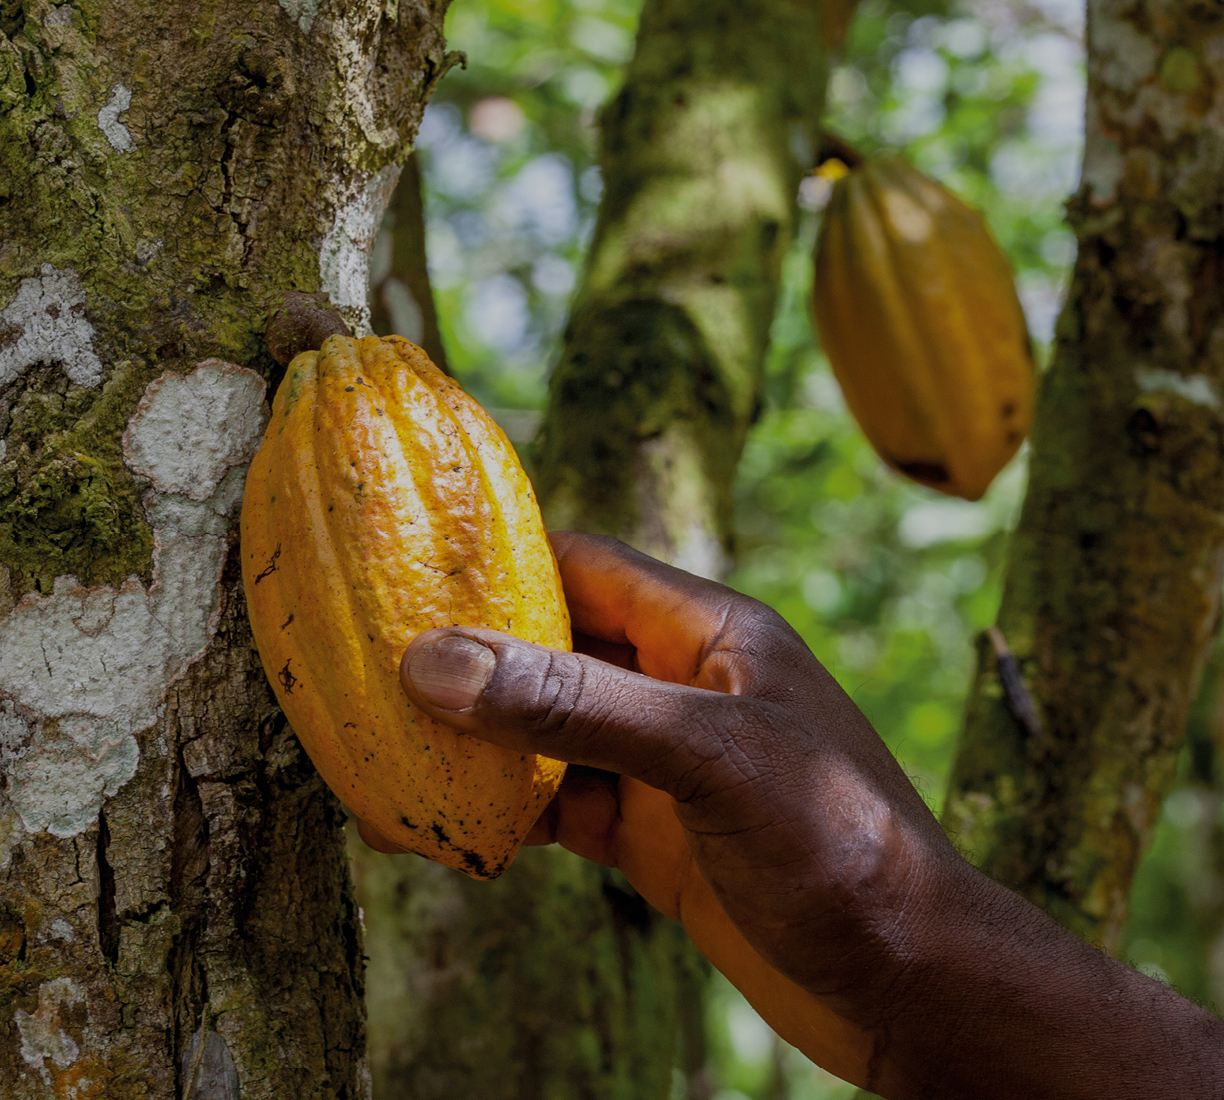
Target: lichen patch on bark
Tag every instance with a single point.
(86, 669)
(119, 136)
(46, 323)
(43, 1040)
(344, 258)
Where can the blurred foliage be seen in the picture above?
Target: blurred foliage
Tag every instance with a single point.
(888, 582)
(508, 151)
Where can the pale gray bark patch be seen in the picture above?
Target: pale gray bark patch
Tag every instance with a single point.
(1196, 388)
(46, 323)
(1125, 56)
(302, 12)
(87, 669)
(42, 1038)
(344, 258)
(119, 136)
(188, 432)
(217, 1076)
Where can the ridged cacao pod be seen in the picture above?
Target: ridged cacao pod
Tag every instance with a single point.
(383, 502)
(919, 317)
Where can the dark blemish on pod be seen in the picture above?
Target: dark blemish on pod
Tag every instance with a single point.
(351, 725)
(271, 567)
(286, 678)
(348, 389)
(406, 823)
(287, 622)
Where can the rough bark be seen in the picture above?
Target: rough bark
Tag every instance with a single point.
(168, 858)
(1113, 585)
(702, 153)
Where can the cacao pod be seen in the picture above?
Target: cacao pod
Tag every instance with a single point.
(919, 317)
(383, 502)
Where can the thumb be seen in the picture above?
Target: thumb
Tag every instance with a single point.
(575, 708)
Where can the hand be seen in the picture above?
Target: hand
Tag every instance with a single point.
(740, 759)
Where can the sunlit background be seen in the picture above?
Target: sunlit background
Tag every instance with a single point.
(888, 583)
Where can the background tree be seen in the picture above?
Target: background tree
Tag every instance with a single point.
(703, 150)
(169, 862)
(1113, 586)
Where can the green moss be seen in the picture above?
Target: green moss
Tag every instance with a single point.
(672, 323)
(68, 504)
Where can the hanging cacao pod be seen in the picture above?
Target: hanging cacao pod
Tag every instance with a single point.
(383, 502)
(919, 317)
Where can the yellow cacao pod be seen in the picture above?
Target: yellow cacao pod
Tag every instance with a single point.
(383, 502)
(919, 317)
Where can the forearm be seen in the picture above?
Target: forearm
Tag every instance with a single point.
(1000, 1002)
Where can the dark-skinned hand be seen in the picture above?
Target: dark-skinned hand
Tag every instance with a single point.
(739, 789)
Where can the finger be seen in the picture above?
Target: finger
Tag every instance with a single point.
(613, 653)
(583, 817)
(575, 708)
(684, 629)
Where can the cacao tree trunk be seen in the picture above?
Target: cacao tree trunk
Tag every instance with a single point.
(1113, 585)
(170, 865)
(702, 152)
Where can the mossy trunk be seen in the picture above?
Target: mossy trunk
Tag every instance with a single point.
(660, 377)
(169, 861)
(1113, 584)
(554, 982)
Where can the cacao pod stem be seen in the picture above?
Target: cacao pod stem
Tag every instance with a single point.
(301, 323)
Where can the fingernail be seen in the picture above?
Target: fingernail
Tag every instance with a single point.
(451, 672)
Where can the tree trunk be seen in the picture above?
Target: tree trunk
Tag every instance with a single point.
(552, 981)
(557, 980)
(1113, 584)
(660, 377)
(169, 862)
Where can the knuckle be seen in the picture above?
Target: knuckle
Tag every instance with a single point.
(570, 702)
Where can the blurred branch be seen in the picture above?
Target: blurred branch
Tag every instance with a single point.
(402, 302)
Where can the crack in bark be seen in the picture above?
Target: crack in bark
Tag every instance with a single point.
(108, 922)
